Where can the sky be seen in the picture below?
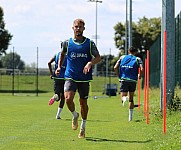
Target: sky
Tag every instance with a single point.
(38, 26)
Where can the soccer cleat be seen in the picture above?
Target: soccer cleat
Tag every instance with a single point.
(75, 122)
(51, 101)
(81, 133)
(58, 117)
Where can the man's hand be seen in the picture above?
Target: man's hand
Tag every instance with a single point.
(51, 77)
(57, 72)
(87, 67)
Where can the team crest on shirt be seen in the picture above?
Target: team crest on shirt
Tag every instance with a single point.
(73, 55)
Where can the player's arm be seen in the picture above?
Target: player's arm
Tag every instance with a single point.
(116, 67)
(141, 68)
(62, 57)
(96, 58)
(50, 66)
(141, 71)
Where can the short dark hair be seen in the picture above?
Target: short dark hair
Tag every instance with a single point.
(133, 49)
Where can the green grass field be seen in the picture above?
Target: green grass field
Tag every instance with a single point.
(28, 123)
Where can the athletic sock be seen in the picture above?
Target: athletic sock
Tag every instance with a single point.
(130, 114)
(59, 111)
(75, 114)
(83, 124)
(124, 99)
(55, 97)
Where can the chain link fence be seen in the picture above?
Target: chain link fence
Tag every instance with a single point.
(155, 57)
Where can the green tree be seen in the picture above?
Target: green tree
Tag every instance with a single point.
(10, 61)
(144, 33)
(106, 61)
(30, 68)
(5, 36)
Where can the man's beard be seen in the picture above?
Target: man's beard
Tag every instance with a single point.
(78, 33)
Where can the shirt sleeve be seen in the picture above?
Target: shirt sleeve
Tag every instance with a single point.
(64, 46)
(94, 49)
(120, 58)
(139, 61)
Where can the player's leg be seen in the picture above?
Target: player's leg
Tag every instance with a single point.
(60, 90)
(131, 105)
(124, 92)
(69, 92)
(60, 106)
(55, 97)
(132, 88)
(83, 89)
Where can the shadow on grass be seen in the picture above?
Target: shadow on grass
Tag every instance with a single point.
(99, 121)
(90, 120)
(23, 91)
(109, 140)
(140, 120)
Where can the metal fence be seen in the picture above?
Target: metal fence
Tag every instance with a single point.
(178, 50)
(155, 57)
(15, 81)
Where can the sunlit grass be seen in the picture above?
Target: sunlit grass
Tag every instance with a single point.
(28, 123)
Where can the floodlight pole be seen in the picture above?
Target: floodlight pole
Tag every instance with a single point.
(37, 73)
(126, 29)
(130, 23)
(96, 1)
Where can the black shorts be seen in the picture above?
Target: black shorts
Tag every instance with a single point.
(127, 86)
(59, 86)
(82, 87)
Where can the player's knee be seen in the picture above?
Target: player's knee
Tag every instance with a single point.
(68, 99)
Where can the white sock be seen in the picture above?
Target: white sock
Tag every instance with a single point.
(125, 98)
(74, 113)
(83, 124)
(55, 97)
(59, 111)
(130, 114)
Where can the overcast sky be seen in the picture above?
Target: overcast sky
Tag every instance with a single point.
(44, 23)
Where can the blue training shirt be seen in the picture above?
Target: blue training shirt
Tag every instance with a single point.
(128, 69)
(62, 71)
(78, 55)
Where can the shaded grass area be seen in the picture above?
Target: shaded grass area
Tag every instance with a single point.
(22, 91)
(28, 123)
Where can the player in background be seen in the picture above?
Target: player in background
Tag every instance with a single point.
(126, 68)
(58, 83)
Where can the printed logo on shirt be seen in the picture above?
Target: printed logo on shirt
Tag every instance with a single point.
(126, 66)
(78, 55)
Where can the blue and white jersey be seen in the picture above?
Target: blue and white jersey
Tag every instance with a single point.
(78, 55)
(128, 69)
(62, 71)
